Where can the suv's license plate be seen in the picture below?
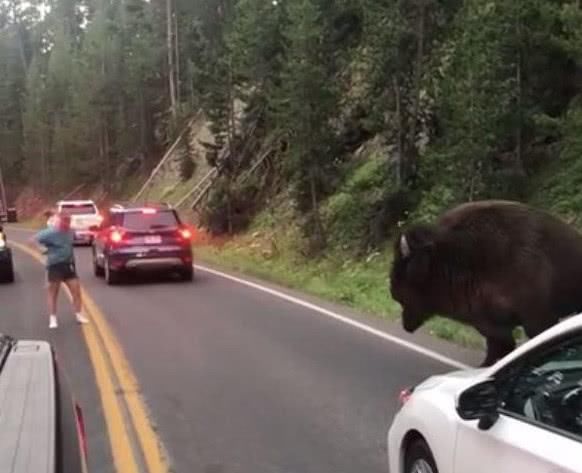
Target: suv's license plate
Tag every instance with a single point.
(153, 240)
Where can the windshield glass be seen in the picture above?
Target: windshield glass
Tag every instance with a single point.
(78, 209)
(139, 221)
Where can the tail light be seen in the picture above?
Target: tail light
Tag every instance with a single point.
(116, 236)
(81, 429)
(185, 233)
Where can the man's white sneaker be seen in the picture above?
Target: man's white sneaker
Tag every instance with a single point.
(53, 323)
(82, 319)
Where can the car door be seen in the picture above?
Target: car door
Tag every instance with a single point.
(540, 425)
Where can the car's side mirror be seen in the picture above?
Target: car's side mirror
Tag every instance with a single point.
(480, 402)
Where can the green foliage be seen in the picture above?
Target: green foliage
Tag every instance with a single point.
(350, 214)
(475, 99)
(230, 208)
(558, 186)
(304, 104)
(84, 78)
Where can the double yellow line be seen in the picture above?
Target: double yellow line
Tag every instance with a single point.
(120, 393)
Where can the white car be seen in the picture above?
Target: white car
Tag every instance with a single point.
(84, 215)
(521, 415)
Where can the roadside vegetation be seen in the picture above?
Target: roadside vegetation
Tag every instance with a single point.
(331, 124)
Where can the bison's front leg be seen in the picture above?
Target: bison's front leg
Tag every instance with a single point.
(497, 347)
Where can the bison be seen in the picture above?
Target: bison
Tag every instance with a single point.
(494, 265)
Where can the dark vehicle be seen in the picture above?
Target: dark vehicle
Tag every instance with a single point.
(6, 262)
(41, 426)
(142, 238)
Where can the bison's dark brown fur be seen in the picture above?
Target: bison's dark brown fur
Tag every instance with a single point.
(494, 265)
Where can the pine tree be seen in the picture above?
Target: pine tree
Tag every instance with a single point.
(305, 104)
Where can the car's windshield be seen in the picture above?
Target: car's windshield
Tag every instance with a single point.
(140, 221)
(78, 209)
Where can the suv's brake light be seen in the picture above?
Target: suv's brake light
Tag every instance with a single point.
(116, 236)
(185, 233)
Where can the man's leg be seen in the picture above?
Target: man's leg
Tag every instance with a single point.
(53, 295)
(75, 287)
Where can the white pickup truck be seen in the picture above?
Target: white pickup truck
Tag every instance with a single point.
(84, 215)
(41, 427)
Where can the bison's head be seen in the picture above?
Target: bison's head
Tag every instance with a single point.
(410, 274)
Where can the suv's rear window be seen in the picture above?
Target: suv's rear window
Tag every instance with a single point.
(139, 221)
(77, 209)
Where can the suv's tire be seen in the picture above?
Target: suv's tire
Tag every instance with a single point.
(111, 277)
(187, 274)
(7, 273)
(98, 271)
(419, 458)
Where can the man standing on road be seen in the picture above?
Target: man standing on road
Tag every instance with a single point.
(60, 266)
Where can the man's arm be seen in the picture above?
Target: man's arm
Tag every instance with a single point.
(39, 239)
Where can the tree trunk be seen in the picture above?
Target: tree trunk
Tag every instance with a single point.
(231, 118)
(411, 148)
(43, 163)
(474, 158)
(45, 154)
(177, 55)
(107, 150)
(519, 84)
(171, 67)
(3, 192)
(229, 206)
(21, 51)
(315, 210)
(142, 121)
(399, 137)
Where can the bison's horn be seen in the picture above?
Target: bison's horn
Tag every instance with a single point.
(404, 248)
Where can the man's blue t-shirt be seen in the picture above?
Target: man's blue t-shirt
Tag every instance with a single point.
(59, 245)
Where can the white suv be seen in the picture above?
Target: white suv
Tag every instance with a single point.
(84, 215)
(524, 414)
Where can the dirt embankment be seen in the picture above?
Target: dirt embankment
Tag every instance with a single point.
(30, 204)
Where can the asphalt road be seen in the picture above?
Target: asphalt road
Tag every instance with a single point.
(23, 315)
(236, 380)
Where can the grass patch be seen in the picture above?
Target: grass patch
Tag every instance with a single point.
(357, 284)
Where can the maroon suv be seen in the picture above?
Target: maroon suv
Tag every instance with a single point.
(142, 239)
